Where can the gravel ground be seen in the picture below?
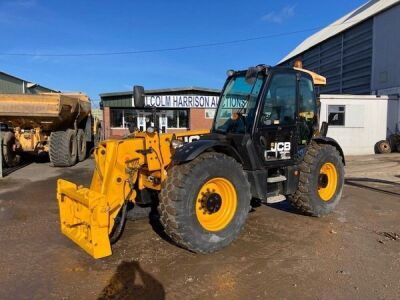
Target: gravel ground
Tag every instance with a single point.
(354, 253)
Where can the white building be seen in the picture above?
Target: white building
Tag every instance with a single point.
(357, 122)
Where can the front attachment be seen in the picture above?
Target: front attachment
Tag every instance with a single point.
(84, 216)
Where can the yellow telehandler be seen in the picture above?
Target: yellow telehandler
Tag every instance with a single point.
(265, 143)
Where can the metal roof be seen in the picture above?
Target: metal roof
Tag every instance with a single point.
(29, 84)
(353, 18)
(164, 91)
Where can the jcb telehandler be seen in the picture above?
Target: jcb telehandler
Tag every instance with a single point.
(264, 143)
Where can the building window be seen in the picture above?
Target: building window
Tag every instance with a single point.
(209, 113)
(116, 117)
(123, 118)
(336, 115)
(183, 119)
(177, 118)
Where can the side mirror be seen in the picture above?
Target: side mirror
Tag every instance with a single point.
(138, 96)
(324, 129)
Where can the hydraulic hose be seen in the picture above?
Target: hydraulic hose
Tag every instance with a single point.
(119, 224)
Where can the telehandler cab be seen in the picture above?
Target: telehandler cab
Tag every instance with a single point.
(264, 143)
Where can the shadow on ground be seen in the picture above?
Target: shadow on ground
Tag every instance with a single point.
(130, 281)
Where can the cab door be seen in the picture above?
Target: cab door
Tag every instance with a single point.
(275, 135)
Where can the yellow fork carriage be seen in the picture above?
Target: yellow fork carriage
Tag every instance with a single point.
(121, 168)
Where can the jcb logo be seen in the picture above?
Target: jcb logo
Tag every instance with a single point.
(281, 146)
(189, 139)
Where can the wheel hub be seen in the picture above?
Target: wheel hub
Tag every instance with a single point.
(211, 202)
(322, 180)
(216, 204)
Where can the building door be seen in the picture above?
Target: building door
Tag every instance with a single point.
(163, 121)
(143, 119)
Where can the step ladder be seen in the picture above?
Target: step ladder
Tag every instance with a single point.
(277, 198)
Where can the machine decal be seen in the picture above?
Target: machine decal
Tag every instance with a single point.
(278, 150)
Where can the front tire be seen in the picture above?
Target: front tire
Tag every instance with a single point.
(204, 203)
(321, 180)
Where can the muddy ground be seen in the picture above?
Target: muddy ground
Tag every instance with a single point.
(352, 254)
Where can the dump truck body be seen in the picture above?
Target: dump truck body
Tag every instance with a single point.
(32, 118)
(48, 111)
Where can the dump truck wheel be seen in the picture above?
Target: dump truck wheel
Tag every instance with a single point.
(383, 147)
(9, 145)
(321, 180)
(81, 140)
(63, 148)
(204, 203)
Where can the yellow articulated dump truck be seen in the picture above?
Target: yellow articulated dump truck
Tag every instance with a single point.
(57, 123)
(265, 143)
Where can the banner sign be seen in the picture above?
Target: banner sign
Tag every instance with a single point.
(234, 101)
(182, 101)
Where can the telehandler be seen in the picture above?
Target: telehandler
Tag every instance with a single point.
(265, 143)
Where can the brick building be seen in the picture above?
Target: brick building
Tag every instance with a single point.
(177, 109)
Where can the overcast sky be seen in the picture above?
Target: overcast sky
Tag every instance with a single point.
(83, 26)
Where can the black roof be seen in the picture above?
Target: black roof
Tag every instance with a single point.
(164, 91)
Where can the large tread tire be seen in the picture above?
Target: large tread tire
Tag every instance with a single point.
(82, 145)
(8, 143)
(178, 200)
(383, 147)
(63, 148)
(307, 199)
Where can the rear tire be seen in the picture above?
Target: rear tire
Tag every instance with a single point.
(63, 148)
(81, 140)
(187, 202)
(383, 147)
(321, 180)
(9, 145)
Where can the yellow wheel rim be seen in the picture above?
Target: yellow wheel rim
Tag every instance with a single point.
(216, 204)
(327, 181)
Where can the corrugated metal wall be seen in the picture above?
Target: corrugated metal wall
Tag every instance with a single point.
(10, 85)
(117, 101)
(345, 59)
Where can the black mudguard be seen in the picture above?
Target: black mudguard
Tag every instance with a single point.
(191, 150)
(330, 141)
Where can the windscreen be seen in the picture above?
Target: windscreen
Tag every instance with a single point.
(236, 110)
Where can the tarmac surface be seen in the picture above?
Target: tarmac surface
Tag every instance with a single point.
(354, 253)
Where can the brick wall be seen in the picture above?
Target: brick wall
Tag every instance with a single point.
(106, 122)
(118, 132)
(198, 119)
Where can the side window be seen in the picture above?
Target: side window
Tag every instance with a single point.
(307, 105)
(336, 115)
(280, 100)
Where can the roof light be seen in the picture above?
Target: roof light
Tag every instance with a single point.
(298, 64)
(230, 73)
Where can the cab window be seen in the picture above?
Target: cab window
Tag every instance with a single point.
(280, 100)
(307, 117)
(307, 106)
